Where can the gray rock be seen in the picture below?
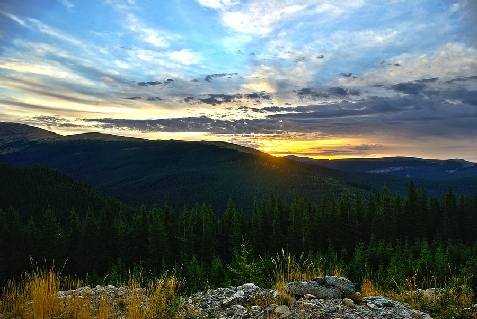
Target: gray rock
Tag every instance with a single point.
(301, 288)
(283, 311)
(348, 302)
(345, 285)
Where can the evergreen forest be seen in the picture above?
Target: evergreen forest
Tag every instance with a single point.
(47, 218)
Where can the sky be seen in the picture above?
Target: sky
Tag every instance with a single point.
(316, 78)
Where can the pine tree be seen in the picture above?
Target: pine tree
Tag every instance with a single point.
(158, 241)
(208, 242)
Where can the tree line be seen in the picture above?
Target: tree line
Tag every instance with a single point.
(385, 235)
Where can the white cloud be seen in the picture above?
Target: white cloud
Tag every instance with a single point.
(451, 61)
(121, 64)
(261, 17)
(14, 18)
(121, 5)
(185, 57)
(147, 34)
(364, 39)
(66, 3)
(43, 28)
(217, 4)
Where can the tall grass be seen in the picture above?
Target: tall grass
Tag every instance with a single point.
(35, 296)
(451, 301)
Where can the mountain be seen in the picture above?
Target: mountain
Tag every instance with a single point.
(14, 136)
(400, 166)
(137, 171)
(31, 190)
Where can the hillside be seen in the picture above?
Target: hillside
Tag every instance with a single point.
(30, 190)
(179, 173)
(400, 166)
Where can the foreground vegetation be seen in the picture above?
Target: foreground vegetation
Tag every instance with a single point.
(36, 295)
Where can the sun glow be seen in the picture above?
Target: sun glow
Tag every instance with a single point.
(318, 148)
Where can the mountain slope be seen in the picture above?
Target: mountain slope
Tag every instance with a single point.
(179, 173)
(400, 166)
(30, 190)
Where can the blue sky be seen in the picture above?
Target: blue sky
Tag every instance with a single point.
(326, 79)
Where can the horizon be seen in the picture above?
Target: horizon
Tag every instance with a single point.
(358, 79)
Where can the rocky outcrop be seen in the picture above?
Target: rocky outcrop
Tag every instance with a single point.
(297, 300)
(322, 287)
(319, 298)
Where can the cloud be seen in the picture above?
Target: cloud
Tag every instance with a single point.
(409, 88)
(66, 3)
(450, 61)
(260, 18)
(209, 77)
(157, 37)
(217, 4)
(185, 57)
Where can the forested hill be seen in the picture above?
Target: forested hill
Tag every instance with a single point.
(401, 166)
(32, 190)
(137, 171)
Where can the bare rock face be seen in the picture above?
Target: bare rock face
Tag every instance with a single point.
(300, 288)
(329, 287)
(343, 284)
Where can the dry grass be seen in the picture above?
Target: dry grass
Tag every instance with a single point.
(288, 269)
(36, 297)
(451, 301)
(368, 288)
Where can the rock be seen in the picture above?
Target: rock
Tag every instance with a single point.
(283, 311)
(348, 302)
(252, 302)
(345, 285)
(301, 288)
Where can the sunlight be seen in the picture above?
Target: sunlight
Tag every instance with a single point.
(328, 148)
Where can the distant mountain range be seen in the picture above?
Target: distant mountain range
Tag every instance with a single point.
(400, 166)
(137, 171)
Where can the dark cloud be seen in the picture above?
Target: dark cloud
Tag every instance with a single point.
(209, 78)
(346, 75)
(132, 98)
(366, 147)
(409, 88)
(52, 121)
(154, 98)
(333, 91)
(214, 99)
(310, 94)
(462, 95)
(429, 80)
(321, 56)
(343, 92)
(258, 95)
(149, 83)
(462, 79)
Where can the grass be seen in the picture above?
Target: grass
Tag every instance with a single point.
(36, 296)
(454, 300)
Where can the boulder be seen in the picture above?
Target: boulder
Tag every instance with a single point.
(322, 287)
(301, 288)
